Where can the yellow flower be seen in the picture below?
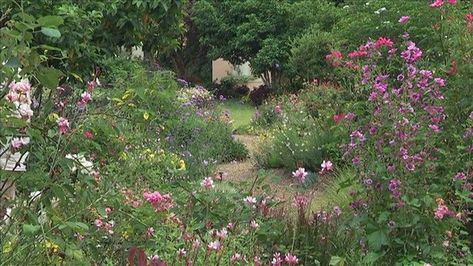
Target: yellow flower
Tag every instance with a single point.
(123, 156)
(182, 165)
(52, 246)
(125, 235)
(146, 115)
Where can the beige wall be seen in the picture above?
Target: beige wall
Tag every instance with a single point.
(222, 68)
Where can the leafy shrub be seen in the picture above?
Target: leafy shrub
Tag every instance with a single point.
(258, 95)
(232, 87)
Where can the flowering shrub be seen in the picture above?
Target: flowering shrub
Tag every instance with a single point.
(401, 160)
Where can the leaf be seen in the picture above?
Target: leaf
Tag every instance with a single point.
(13, 63)
(50, 32)
(49, 77)
(337, 261)
(30, 229)
(50, 21)
(377, 239)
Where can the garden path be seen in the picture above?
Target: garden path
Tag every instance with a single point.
(282, 186)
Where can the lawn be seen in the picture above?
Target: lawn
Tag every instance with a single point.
(241, 113)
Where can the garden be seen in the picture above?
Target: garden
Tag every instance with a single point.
(356, 147)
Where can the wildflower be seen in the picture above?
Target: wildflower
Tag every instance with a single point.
(250, 201)
(207, 183)
(98, 222)
(236, 257)
(277, 109)
(301, 174)
(300, 201)
(326, 166)
(440, 82)
(222, 233)
(383, 41)
(181, 252)
(196, 243)
(461, 176)
(277, 260)
(88, 134)
(337, 211)
(412, 54)
(215, 245)
(338, 117)
(22, 86)
(63, 124)
(334, 58)
(350, 116)
(24, 110)
(404, 19)
(442, 210)
(435, 128)
(437, 3)
(17, 143)
(291, 259)
(257, 261)
(254, 224)
(150, 232)
(452, 2)
(158, 201)
(91, 85)
(469, 18)
(356, 160)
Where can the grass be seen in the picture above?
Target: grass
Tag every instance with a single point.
(335, 191)
(241, 113)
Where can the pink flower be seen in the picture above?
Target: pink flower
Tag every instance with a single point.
(17, 143)
(277, 109)
(452, 2)
(461, 176)
(254, 224)
(442, 210)
(158, 201)
(25, 111)
(437, 3)
(469, 17)
(150, 232)
(63, 124)
(98, 222)
(196, 243)
(301, 174)
(326, 166)
(236, 257)
(300, 201)
(22, 86)
(337, 211)
(181, 252)
(86, 97)
(91, 85)
(215, 245)
(383, 41)
(257, 261)
(440, 82)
(207, 183)
(277, 260)
(222, 233)
(338, 117)
(435, 128)
(88, 134)
(250, 201)
(108, 210)
(291, 259)
(404, 19)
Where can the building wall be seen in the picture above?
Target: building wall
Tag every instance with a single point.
(222, 68)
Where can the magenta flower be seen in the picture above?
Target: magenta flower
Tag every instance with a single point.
(452, 2)
(91, 85)
(207, 183)
(383, 41)
(404, 19)
(437, 3)
(301, 174)
(291, 259)
(326, 166)
(158, 201)
(300, 201)
(63, 124)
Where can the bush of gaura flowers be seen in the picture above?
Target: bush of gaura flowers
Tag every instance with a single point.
(411, 208)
